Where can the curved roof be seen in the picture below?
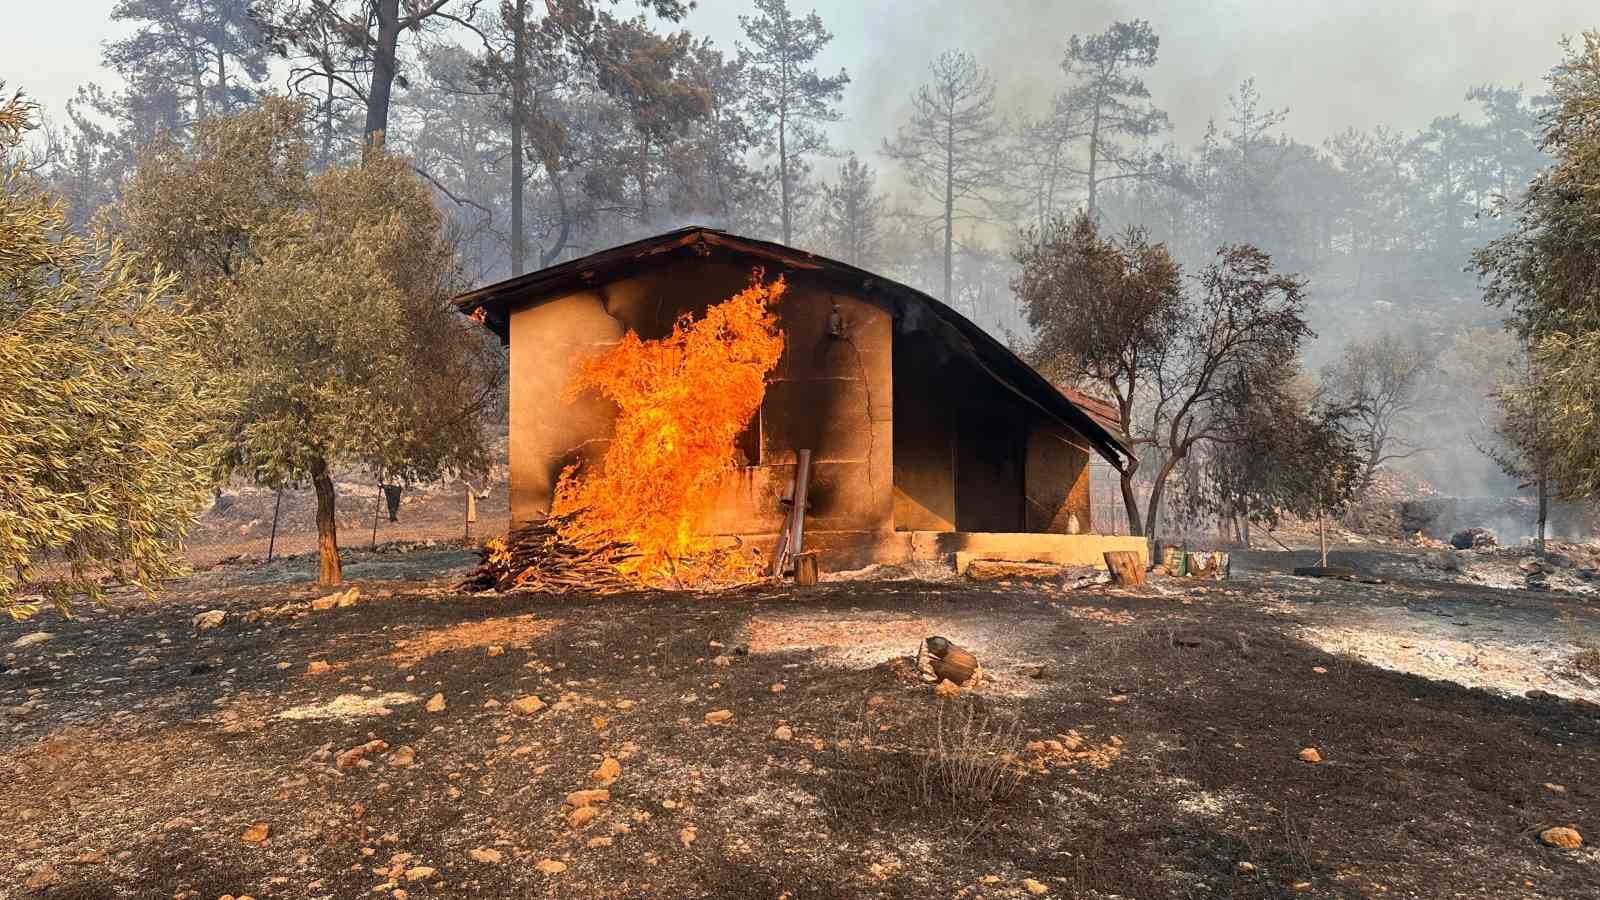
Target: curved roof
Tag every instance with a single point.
(496, 301)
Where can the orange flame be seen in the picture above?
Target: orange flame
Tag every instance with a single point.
(681, 404)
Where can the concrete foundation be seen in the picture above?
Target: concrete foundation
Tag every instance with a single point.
(845, 550)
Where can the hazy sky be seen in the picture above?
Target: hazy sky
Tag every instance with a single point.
(1334, 64)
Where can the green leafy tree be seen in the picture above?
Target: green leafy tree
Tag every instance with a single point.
(334, 336)
(1284, 451)
(103, 457)
(1546, 271)
(1105, 312)
(1115, 315)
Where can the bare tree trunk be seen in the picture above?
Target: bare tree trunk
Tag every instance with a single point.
(327, 126)
(1322, 536)
(1544, 512)
(328, 569)
(1130, 502)
(783, 177)
(949, 204)
(1094, 156)
(519, 55)
(384, 53)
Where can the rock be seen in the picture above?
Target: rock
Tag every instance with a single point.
(719, 716)
(581, 816)
(1301, 887)
(947, 689)
(350, 758)
(1310, 755)
(610, 770)
(495, 650)
(600, 723)
(778, 688)
(527, 705)
(176, 823)
(1034, 670)
(31, 640)
(551, 866)
(990, 879)
(89, 858)
(597, 842)
(209, 620)
(42, 877)
(1562, 838)
(318, 667)
(1036, 888)
(687, 835)
(580, 799)
(402, 757)
(783, 733)
(1473, 539)
(1247, 868)
(256, 833)
(1555, 788)
(435, 703)
(420, 873)
(486, 855)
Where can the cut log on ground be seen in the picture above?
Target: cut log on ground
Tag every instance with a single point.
(997, 569)
(1127, 569)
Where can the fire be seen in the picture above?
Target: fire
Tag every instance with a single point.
(681, 403)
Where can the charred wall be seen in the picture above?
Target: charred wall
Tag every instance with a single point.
(970, 454)
(830, 394)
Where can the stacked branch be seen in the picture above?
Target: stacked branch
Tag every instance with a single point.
(536, 557)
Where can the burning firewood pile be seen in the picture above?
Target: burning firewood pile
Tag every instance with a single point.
(535, 557)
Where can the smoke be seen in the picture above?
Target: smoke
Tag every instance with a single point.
(1360, 63)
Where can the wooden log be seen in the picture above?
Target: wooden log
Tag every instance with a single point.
(805, 569)
(1126, 567)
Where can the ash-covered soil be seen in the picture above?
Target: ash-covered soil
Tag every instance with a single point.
(1123, 744)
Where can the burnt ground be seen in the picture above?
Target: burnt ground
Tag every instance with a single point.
(147, 750)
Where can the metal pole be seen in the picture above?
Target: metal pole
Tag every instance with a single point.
(274, 538)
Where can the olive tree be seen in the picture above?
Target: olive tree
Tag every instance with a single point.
(333, 334)
(103, 454)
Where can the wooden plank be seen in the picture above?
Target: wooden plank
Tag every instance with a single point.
(1125, 567)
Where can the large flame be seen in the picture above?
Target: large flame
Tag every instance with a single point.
(681, 404)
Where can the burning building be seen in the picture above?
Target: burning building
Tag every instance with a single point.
(927, 436)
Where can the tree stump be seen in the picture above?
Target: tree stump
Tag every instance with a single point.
(805, 569)
(1125, 566)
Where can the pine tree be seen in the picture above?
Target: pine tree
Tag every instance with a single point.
(951, 149)
(788, 94)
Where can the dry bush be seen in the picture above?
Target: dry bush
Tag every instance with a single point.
(971, 759)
